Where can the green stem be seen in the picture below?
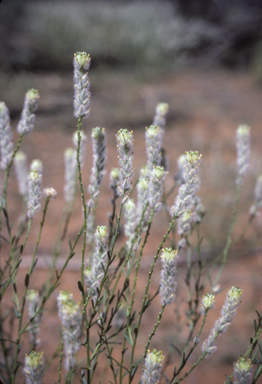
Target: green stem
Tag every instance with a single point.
(146, 292)
(230, 233)
(160, 315)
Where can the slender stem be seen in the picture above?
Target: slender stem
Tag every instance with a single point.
(39, 234)
(86, 212)
(229, 237)
(146, 292)
(160, 315)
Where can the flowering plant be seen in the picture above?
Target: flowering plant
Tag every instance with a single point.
(107, 322)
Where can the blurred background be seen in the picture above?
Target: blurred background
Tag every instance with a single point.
(203, 57)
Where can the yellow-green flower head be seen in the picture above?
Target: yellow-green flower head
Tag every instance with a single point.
(152, 131)
(192, 156)
(235, 293)
(101, 232)
(143, 184)
(186, 216)
(158, 172)
(208, 301)
(32, 95)
(144, 171)
(168, 254)
(70, 307)
(34, 367)
(115, 174)
(87, 271)
(2, 106)
(32, 295)
(37, 165)
(98, 133)
(130, 205)
(82, 60)
(69, 152)
(125, 137)
(162, 109)
(34, 359)
(20, 156)
(243, 130)
(156, 357)
(34, 175)
(243, 364)
(64, 296)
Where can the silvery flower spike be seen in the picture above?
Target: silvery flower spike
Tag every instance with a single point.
(160, 115)
(124, 145)
(243, 149)
(187, 191)
(154, 136)
(81, 84)
(34, 188)
(70, 174)
(32, 299)
(97, 170)
(243, 371)
(6, 143)
(152, 367)
(227, 313)
(26, 123)
(168, 276)
(70, 314)
(21, 172)
(34, 368)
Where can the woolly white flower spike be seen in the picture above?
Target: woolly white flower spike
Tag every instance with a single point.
(130, 217)
(6, 143)
(71, 316)
(227, 313)
(188, 190)
(94, 275)
(168, 282)
(258, 197)
(243, 149)
(243, 371)
(156, 187)
(99, 156)
(82, 145)
(34, 192)
(34, 368)
(33, 300)
(70, 174)
(21, 172)
(125, 145)
(160, 115)
(26, 123)
(154, 136)
(152, 367)
(81, 84)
